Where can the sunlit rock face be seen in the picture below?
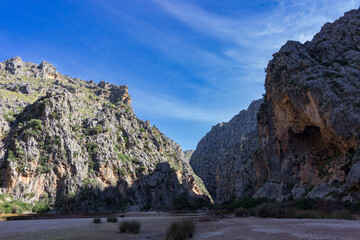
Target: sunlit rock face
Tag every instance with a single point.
(80, 145)
(310, 121)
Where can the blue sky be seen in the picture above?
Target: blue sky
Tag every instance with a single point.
(188, 64)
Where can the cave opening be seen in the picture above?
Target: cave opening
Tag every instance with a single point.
(310, 140)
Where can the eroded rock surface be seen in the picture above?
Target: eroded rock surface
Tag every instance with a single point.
(80, 145)
(224, 158)
(310, 121)
(308, 131)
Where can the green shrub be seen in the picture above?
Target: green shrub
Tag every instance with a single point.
(266, 210)
(305, 203)
(112, 219)
(130, 227)
(241, 212)
(122, 172)
(354, 207)
(123, 157)
(182, 202)
(97, 220)
(92, 147)
(41, 207)
(10, 116)
(11, 157)
(142, 130)
(147, 207)
(95, 130)
(29, 195)
(31, 133)
(245, 203)
(15, 209)
(181, 230)
(307, 209)
(54, 115)
(34, 124)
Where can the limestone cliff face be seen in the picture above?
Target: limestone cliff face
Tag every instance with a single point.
(308, 129)
(224, 158)
(309, 124)
(81, 145)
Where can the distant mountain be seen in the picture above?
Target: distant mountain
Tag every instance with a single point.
(79, 146)
(224, 157)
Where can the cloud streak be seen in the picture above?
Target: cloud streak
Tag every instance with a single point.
(167, 106)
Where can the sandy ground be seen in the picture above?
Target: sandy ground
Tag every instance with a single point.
(153, 226)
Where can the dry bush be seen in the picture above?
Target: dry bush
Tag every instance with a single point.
(181, 230)
(130, 226)
(112, 219)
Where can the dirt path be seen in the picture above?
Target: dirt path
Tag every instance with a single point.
(153, 226)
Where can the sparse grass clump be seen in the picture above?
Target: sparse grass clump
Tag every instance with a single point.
(130, 227)
(181, 230)
(112, 219)
(97, 220)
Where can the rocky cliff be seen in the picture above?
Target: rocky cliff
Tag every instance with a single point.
(308, 126)
(80, 146)
(224, 157)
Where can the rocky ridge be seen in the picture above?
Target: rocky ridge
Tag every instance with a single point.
(308, 126)
(224, 157)
(79, 145)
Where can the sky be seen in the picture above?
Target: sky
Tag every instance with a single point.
(188, 64)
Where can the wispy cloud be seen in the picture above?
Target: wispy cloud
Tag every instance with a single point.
(163, 105)
(246, 46)
(290, 19)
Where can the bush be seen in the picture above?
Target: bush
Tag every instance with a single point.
(189, 227)
(305, 203)
(97, 220)
(130, 226)
(41, 207)
(182, 203)
(354, 207)
(181, 230)
(112, 219)
(274, 210)
(310, 211)
(147, 207)
(241, 212)
(245, 203)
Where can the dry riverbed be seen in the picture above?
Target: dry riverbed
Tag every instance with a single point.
(153, 226)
